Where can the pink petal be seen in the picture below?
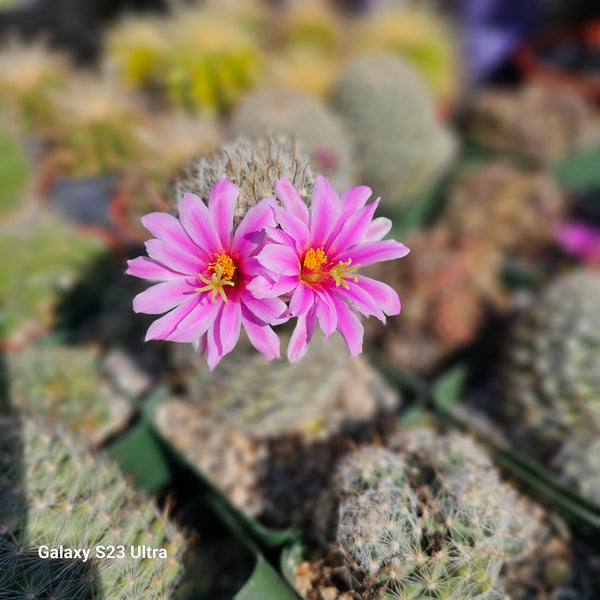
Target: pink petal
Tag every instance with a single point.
(174, 258)
(377, 230)
(230, 322)
(162, 328)
(214, 349)
(354, 199)
(270, 310)
(146, 268)
(250, 231)
(326, 313)
(195, 324)
(261, 287)
(296, 230)
(279, 259)
(197, 222)
(354, 227)
(363, 301)
(291, 200)
(372, 252)
(302, 335)
(324, 210)
(384, 295)
(166, 227)
(221, 204)
(349, 325)
(303, 299)
(162, 297)
(261, 336)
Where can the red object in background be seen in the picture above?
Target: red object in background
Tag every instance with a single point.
(539, 58)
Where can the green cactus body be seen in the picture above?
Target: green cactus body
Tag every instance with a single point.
(430, 519)
(268, 432)
(38, 265)
(65, 385)
(253, 166)
(293, 114)
(550, 378)
(398, 144)
(53, 493)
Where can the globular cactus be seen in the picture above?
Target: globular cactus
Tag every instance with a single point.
(507, 208)
(267, 433)
(549, 379)
(422, 37)
(428, 519)
(253, 166)
(37, 265)
(578, 464)
(399, 147)
(54, 494)
(292, 114)
(28, 72)
(541, 124)
(211, 60)
(64, 385)
(93, 125)
(449, 290)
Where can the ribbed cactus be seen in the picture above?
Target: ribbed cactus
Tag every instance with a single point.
(268, 432)
(64, 385)
(253, 166)
(37, 265)
(508, 209)
(541, 124)
(550, 377)
(430, 519)
(53, 494)
(449, 287)
(398, 144)
(293, 114)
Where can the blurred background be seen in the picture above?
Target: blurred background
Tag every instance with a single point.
(477, 122)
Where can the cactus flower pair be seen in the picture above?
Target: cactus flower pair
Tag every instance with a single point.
(213, 279)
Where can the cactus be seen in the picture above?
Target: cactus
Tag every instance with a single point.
(28, 72)
(267, 432)
(398, 145)
(578, 464)
(449, 289)
(420, 36)
(93, 126)
(540, 124)
(136, 47)
(211, 61)
(253, 166)
(504, 207)
(292, 114)
(429, 518)
(53, 493)
(64, 385)
(38, 265)
(550, 376)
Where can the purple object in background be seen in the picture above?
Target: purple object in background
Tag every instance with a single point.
(491, 30)
(579, 239)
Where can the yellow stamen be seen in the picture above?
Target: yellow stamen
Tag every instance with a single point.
(227, 266)
(342, 270)
(314, 258)
(216, 282)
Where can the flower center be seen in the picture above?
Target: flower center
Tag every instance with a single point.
(312, 271)
(223, 271)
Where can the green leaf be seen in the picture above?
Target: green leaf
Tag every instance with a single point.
(265, 584)
(580, 170)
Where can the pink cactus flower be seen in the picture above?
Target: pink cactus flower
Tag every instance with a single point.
(204, 269)
(315, 256)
